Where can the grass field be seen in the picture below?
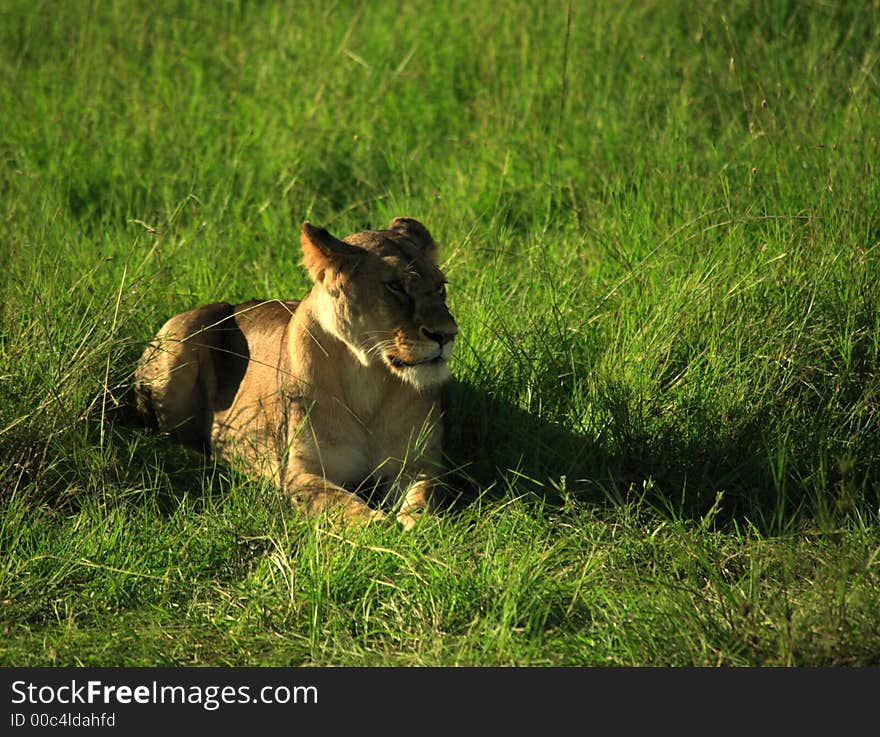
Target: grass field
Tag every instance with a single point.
(661, 226)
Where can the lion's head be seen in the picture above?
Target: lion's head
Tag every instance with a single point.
(382, 293)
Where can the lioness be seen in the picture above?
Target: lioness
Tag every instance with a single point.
(326, 395)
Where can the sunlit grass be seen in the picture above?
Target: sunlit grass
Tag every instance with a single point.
(661, 227)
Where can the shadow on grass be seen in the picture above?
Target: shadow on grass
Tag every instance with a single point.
(680, 466)
(492, 446)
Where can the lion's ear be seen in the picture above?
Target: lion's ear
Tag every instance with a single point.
(418, 234)
(323, 252)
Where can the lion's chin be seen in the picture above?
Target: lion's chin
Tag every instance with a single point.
(423, 376)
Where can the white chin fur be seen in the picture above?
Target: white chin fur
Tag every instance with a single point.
(425, 375)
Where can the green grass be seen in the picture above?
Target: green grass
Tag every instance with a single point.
(661, 225)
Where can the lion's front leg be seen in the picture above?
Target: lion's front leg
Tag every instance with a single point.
(417, 499)
(315, 495)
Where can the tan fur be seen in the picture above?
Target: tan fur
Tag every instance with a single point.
(325, 396)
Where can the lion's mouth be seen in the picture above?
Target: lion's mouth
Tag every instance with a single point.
(399, 363)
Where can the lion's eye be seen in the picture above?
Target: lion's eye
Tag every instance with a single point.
(396, 287)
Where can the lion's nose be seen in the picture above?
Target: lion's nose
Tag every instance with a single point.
(441, 337)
